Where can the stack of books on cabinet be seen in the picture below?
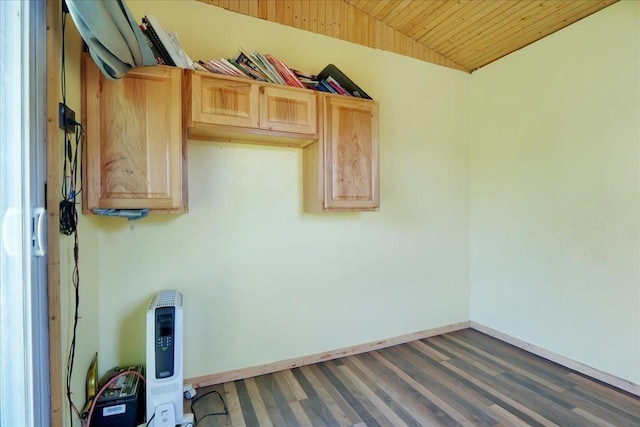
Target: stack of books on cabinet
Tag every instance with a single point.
(164, 44)
(332, 80)
(265, 68)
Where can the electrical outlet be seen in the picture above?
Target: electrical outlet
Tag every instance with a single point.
(66, 117)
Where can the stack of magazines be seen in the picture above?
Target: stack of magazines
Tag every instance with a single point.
(165, 44)
(264, 68)
(332, 80)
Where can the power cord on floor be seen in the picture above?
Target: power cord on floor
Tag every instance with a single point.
(197, 399)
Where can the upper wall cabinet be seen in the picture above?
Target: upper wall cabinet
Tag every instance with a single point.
(135, 153)
(137, 128)
(341, 169)
(224, 102)
(233, 109)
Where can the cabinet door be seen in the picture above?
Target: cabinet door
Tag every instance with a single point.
(220, 101)
(351, 154)
(134, 139)
(288, 110)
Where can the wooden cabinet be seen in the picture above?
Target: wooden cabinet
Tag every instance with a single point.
(137, 129)
(341, 169)
(290, 110)
(339, 133)
(226, 108)
(135, 153)
(224, 102)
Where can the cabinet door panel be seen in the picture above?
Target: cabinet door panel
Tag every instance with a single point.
(134, 139)
(351, 154)
(288, 110)
(224, 102)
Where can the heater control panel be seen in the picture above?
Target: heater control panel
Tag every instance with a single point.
(165, 340)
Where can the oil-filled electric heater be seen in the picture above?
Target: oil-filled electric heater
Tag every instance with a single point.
(164, 376)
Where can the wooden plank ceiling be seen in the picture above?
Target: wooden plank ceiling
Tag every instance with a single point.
(460, 34)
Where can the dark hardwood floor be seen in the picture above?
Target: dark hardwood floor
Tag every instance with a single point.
(461, 378)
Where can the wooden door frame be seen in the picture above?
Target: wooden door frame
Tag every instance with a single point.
(54, 136)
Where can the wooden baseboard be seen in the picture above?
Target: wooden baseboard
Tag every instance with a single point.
(282, 365)
(612, 380)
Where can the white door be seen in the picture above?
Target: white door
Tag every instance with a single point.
(24, 376)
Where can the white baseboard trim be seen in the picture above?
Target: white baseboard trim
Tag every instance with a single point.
(268, 368)
(612, 380)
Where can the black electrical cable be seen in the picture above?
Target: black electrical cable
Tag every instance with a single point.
(150, 419)
(69, 216)
(70, 190)
(194, 401)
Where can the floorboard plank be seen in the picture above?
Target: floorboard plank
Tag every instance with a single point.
(391, 388)
(521, 411)
(462, 378)
(415, 401)
(373, 397)
(346, 408)
(546, 379)
(246, 404)
(545, 408)
(338, 415)
(607, 394)
(508, 418)
(363, 407)
(295, 385)
(445, 413)
(301, 416)
(462, 398)
(262, 414)
(317, 412)
(515, 355)
(313, 405)
(233, 405)
(275, 401)
(285, 387)
(452, 389)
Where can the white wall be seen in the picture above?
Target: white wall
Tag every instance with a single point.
(554, 199)
(552, 211)
(264, 281)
